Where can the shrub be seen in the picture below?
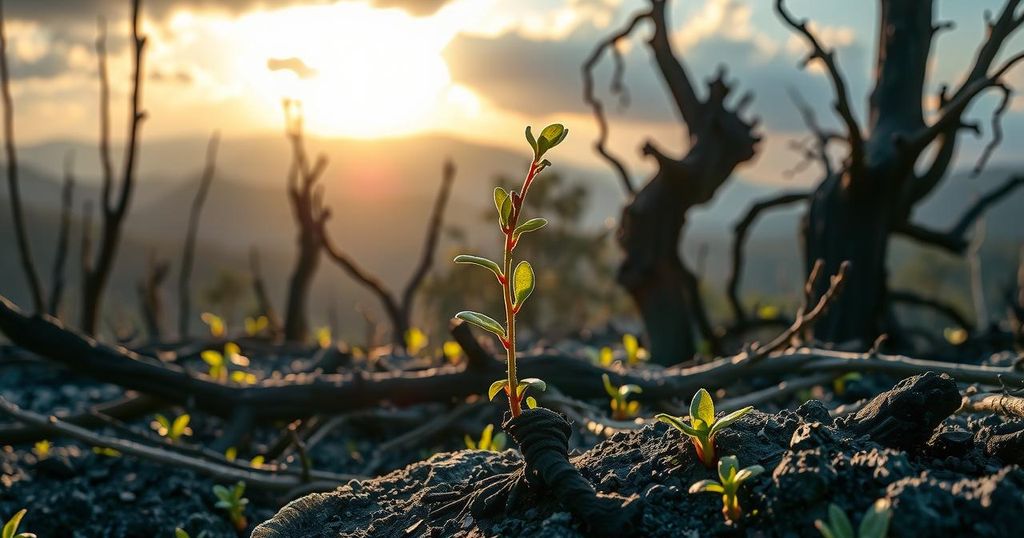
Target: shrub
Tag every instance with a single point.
(730, 478)
(703, 427)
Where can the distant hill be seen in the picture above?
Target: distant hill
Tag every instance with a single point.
(381, 193)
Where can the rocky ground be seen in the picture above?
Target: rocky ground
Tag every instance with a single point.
(936, 469)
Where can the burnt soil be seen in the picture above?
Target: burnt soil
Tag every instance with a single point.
(941, 482)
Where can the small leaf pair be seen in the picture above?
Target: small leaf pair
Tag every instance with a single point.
(172, 430)
(703, 427)
(488, 441)
(622, 408)
(232, 502)
(10, 529)
(218, 329)
(730, 478)
(254, 326)
(550, 136)
(524, 385)
(874, 525)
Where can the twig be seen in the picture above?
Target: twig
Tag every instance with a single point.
(63, 237)
(188, 254)
(945, 309)
(130, 406)
(987, 402)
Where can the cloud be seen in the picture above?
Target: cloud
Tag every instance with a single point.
(295, 65)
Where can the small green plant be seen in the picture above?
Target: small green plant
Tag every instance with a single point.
(255, 326)
(415, 340)
(232, 502)
(218, 329)
(11, 527)
(488, 441)
(703, 427)
(452, 351)
(730, 478)
(622, 408)
(323, 337)
(42, 449)
(172, 430)
(517, 284)
(874, 525)
(634, 353)
(219, 364)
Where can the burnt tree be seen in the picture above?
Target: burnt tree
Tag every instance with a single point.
(664, 289)
(113, 206)
(306, 198)
(858, 207)
(189, 252)
(399, 309)
(151, 303)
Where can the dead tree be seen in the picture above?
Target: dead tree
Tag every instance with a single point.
(857, 207)
(63, 238)
(399, 310)
(664, 289)
(35, 287)
(307, 202)
(151, 299)
(188, 255)
(113, 208)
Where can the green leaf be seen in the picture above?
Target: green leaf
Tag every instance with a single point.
(677, 423)
(749, 472)
(11, 526)
(179, 426)
(707, 485)
(496, 387)
(531, 402)
(211, 357)
(531, 225)
(838, 522)
(825, 531)
(725, 421)
(727, 467)
(702, 407)
(608, 387)
(876, 521)
(531, 139)
(500, 195)
(504, 203)
(180, 533)
(551, 136)
(487, 436)
(530, 382)
(522, 282)
(470, 443)
(482, 262)
(162, 420)
(483, 321)
(221, 492)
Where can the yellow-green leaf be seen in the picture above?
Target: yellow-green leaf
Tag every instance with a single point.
(483, 321)
(481, 261)
(496, 387)
(702, 407)
(522, 282)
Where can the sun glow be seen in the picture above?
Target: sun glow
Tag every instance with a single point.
(359, 71)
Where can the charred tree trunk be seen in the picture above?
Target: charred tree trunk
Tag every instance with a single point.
(96, 273)
(151, 302)
(856, 209)
(306, 197)
(63, 238)
(665, 291)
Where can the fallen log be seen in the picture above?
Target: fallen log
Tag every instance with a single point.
(302, 395)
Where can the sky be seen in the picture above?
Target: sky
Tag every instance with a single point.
(474, 69)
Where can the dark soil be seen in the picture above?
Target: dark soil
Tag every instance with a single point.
(936, 469)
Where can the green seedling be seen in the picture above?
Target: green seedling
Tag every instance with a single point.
(730, 478)
(703, 427)
(622, 408)
(218, 329)
(171, 430)
(42, 449)
(488, 441)
(255, 326)
(232, 502)
(874, 525)
(219, 364)
(452, 351)
(634, 353)
(323, 337)
(11, 527)
(415, 341)
(516, 284)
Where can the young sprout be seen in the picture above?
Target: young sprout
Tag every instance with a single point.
(488, 441)
(634, 353)
(218, 329)
(42, 449)
(323, 337)
(11, 527)
(730, 478)
(622, 409)
(452, 351)
(232, 502)
(218, 363)
(606, 357)
(703, 426)
(171, 430)
(254, 326)
(516, 283)
(874, 525)
(415, 341)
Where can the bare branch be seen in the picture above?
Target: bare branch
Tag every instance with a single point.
(740, 231)
(28, 266)
(597, 106)
(188, 255)
(430, 242)
(265, 305)
(63, 235)
(997, 129)
(945, 309)
(842, 104)
(104, 145)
